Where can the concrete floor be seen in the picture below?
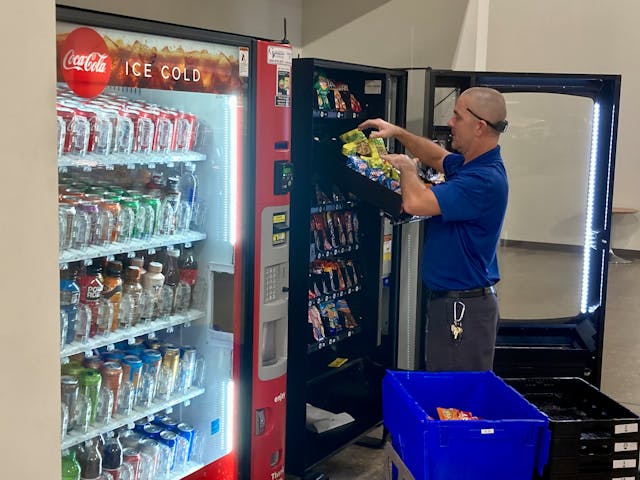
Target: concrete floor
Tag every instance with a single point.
(520, 297)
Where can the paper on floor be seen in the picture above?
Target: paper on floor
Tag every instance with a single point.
(319, 420)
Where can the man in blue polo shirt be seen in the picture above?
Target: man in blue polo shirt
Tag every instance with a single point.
(466, 213)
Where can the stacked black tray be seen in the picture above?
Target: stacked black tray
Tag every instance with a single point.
(592, 436)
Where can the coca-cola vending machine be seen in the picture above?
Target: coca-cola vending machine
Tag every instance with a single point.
(173, 207)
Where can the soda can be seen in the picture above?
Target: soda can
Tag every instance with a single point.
(185, 129)
(171, 360)
(152, 431)
(187, 367)
(66, 115)
(151, 361)
(164, 140)
(132, 457)
(170, 439)
(188, 432)
(168, 423)
(151, 448)
(138, 425)
(144, 128)
(130, 439)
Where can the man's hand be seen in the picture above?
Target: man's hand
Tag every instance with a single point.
(382, 129)
(404, 163)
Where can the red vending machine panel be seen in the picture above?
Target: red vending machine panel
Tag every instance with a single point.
(271, 261)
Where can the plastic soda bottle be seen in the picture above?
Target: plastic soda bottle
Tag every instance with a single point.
(70, 466)
(69, 299)
(112, 290)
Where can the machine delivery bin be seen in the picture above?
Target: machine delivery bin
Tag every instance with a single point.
(509, 441)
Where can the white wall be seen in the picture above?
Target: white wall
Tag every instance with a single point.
(580, 36)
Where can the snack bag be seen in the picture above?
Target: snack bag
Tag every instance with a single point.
(345, 314)
(313, 317)
(354, 135)
(330, 317)
(455, 414)
(359, 147)
(322, 86)
(377, 144)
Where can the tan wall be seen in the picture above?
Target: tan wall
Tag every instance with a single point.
(580, 36)
(391, 33)
(263, 19)
(29, 403)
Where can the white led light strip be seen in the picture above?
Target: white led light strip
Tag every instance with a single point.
(589, 227)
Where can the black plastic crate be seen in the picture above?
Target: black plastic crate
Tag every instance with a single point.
(592, 435)
(595, 476)
(616, 466)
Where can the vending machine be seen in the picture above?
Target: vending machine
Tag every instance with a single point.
(173, 206)
(343, 308)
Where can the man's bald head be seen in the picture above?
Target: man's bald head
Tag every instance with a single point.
(486, 103)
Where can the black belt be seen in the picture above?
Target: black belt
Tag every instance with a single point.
(476, 292)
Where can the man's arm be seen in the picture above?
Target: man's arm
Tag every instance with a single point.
(417, 197)
(428, 152)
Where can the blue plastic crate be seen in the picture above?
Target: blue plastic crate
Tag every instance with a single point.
(510, 442)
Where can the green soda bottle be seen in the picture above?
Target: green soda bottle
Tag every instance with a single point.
(70, 466)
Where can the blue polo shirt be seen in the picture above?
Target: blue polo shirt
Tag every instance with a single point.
(460, 244)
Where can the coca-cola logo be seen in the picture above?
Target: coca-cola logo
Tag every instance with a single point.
(85, 62)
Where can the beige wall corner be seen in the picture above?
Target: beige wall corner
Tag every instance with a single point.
(30, 400)
(471, 50)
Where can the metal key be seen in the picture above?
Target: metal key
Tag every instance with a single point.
(456, 331)
(458, 314)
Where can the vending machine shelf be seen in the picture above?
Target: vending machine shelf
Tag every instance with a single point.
(367, 190)
(327, 342)
(333, 296)
(131, 333)
(94, 251)
(118, 421)
(92, 160)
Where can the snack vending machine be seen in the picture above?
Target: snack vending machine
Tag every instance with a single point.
(173, 206)
(345, 219)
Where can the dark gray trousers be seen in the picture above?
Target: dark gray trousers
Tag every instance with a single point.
(474, 349)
